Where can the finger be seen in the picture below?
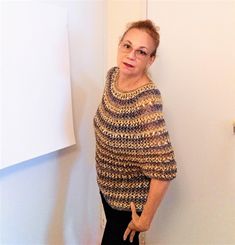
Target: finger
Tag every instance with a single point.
(126, 233)
(135, 216)
(132, 225)
(133, 209)
(132, 236)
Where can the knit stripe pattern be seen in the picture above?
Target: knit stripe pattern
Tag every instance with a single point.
(132, 144)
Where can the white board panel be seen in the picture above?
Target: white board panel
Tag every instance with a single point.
(36, 90)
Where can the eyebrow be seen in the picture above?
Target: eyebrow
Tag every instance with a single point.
(139, 47)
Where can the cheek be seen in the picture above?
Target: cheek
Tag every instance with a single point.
(118, 59)
(142, 65)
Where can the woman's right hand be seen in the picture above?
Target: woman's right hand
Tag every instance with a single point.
(138, 223)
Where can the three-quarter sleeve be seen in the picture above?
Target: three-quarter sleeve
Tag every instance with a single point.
(158, 160)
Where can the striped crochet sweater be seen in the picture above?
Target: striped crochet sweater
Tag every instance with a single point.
(132, 144)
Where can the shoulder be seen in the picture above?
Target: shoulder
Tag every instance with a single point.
(150, 99)
(152, 92)
(111, 72)
(111, 76)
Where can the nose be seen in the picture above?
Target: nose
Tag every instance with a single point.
(131, 54)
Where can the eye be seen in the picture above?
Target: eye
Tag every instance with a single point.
(126, 46)
(141, 52)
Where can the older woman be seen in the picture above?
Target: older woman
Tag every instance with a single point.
(134, 156)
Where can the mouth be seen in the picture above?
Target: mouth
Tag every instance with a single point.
(128, 65)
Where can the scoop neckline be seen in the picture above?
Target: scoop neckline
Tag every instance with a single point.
(115, 84)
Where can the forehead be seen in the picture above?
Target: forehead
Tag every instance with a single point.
(139, 38)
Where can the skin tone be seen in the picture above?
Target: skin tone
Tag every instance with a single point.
(132, 70)
(132, 75)
(142, 223)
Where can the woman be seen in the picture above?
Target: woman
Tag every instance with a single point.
(134, 156)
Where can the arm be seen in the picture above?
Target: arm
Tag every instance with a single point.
(142, 223)
(157, 191)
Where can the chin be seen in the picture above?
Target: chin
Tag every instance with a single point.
(127, 72)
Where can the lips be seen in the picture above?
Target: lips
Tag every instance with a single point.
(128, 65)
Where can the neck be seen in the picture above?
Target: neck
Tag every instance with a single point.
(131, 82)
(130, 79)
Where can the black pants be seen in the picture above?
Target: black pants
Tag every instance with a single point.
(117, 222)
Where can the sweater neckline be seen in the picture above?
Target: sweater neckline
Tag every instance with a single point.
(120, 91)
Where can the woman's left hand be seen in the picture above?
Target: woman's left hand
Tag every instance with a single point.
(138, 223)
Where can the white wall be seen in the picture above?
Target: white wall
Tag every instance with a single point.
(54, 199)
(195, 73)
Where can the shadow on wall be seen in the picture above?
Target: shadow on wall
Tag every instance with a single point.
(56, 225)
(66, 160)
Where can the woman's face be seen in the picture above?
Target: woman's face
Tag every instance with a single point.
(134, 53)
